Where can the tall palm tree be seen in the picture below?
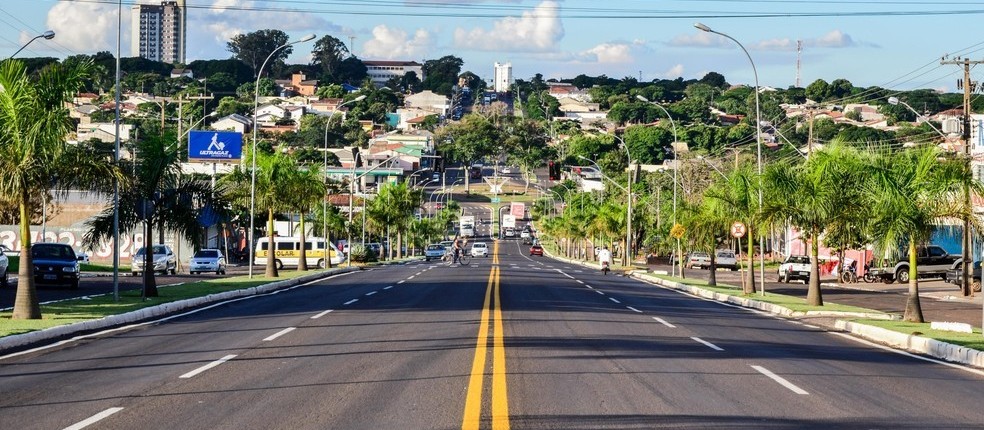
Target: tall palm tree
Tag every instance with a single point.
(305, 191)
(738, 197)
(707, 227)
(273, 176)
(159, 197)
(35, 158)
(912, 192)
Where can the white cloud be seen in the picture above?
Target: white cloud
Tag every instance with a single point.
(85, 27)
(389, 43)
(673, 72)
(537, 31)
(700, 39)
(833, 39)
(609, 53)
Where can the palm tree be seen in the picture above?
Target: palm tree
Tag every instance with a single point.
(333, 221)
(35, 158)
(273, 176)
(305, 190)
(911, 192)
(159, 196)
(738, 199)
(707, 227)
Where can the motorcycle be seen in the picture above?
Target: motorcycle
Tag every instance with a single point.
(604, 267)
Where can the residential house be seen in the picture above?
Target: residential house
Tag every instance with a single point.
(269, 114)
(428, 100)
(234, 122)
(298, 85)
(182, 73)
(104, 131)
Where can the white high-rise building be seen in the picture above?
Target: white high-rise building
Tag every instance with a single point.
(158, 31)
(502, 77)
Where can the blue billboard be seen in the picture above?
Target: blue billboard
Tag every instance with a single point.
(215, 146)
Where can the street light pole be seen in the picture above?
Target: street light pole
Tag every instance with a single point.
(256, 126)
(324, 204)
(628, 209)
(48, 35)
(758, 139)
(676, 167)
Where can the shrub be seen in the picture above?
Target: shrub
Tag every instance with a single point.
(362, 254)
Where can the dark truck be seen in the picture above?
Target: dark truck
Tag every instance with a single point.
(955, 275)
(932, 261)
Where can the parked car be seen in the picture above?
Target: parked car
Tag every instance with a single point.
(955, 275)
(207, 260)
(164, 260)
(4, 263)
(82, 257)
(725, 259)
(56, 264)
(698, 259)
(795, 267)
(931, 261)
(479, 249)
(434, 251)
(536, 250)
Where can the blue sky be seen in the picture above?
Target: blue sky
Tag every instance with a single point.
(895, 44)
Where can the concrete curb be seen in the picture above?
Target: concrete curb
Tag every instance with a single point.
(912, 343)
(20, 340)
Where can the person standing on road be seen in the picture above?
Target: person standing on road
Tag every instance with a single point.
(456, 249)
(605, 256)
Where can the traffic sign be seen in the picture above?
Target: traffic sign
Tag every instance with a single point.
(738, 229)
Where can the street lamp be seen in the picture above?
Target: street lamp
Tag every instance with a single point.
(324, 204)
(256, 126)
(48, 35)
(758, 139)
(708, 162)
(628, 209)
(676, 166)
(894, 101)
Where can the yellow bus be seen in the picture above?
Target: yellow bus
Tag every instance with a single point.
(288, 251)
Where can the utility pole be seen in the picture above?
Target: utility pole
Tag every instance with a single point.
(968, 87)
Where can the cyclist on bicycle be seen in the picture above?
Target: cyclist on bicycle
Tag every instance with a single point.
(456, 249)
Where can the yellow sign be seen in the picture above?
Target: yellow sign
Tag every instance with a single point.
(678, 231)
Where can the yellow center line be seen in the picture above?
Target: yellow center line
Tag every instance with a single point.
(500, 396)
(473, 400)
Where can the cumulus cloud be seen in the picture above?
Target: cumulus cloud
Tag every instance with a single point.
(84, 27)
(834, 39)
(535, 31)
(388, 43)
(672, 73)
(608, 53)
(700, 40)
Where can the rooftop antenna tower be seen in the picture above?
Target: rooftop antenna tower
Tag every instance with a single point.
(799, 54)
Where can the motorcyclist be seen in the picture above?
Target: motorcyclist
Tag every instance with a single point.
(605, 258)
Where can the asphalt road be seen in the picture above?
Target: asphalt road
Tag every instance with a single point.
(509, 341)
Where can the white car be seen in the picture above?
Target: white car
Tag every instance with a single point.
(207, 260)
(82, 257)
(479, 249)
(4, 262)
(725, 259)
(510, 232)
(164, 260)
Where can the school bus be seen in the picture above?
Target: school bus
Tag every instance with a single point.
(287, 251)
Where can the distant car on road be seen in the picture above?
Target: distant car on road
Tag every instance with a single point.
(207, 260)
(509, 232)
(536, 250)
(434, 251)
(82, 257)
(56, 264)
(698, 259)
(164, 260)
(479, 249)
(955, 275)
(725, 259)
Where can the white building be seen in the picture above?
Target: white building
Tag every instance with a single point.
(158, 31)
(382, 71)
(502, 77)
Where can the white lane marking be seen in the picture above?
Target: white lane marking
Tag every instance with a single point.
(418, 273)
(578, 271)
(918, 357)
(371, 293)
(589, 287)
(351, 301)
(614, 300)
(579, 281)
(402, 281)
(279, 333)
(322, 314)
(388, 287)
(662, 321)
(707, 344)
(208, 366)
(795, 322)
(600, 292)
(411, 277)
(633, 309)
(93, 419)
(810, 326)
(782, 381)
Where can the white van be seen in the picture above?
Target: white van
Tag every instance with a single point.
(288, 251)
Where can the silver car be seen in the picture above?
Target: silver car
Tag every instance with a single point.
(207, 260)
(164, 260)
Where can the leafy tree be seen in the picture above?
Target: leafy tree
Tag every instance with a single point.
(305, 190)
(253, 48)
(818, 91)
(840, 89)
(649, 145)
(442, 74)
(238, 71)
(330, 91)
(229, 106)
(737, 198)
(715, 80)
(352, 70)
(35, 158)
(468, 140)
(328, 54)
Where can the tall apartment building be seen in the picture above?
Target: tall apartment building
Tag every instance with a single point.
(158, 31)
(502, 77)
